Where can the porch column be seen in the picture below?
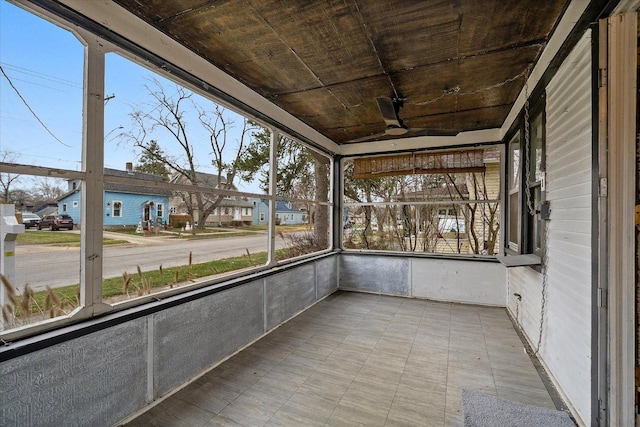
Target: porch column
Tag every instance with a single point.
(621, 134)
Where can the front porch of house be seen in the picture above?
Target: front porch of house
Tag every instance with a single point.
(362, 359)
(382, 315)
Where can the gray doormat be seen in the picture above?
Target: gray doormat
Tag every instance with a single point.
(482, 410)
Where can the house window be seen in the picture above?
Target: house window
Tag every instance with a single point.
(261, 216)
(246, 212)
(117, 209)
(526, 174)
(536, 183)
(226, 211)
(514, 203)
(159, 210)
(64, 207)
(75, 204)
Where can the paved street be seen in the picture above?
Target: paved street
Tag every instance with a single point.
(40, 265)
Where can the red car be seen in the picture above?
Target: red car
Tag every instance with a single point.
(56, 222)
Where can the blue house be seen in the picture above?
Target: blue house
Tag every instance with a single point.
(286, 214)
(123, 204)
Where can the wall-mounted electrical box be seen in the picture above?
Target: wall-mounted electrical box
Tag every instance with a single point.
(545, 210)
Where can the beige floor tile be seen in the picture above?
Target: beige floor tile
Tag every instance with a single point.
(362, 359)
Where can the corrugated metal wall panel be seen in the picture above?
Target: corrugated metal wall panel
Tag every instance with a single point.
(566, 343)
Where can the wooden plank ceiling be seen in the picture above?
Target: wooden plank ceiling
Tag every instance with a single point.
(455, 64)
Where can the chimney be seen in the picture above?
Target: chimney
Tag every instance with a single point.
(129, 168)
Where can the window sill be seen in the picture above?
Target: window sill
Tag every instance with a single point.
(519, 260)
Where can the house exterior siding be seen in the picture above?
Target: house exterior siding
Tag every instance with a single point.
(71, 206)
(285, 213)
(566, 340)
(133, 208)
(133, 203)
(260, 212)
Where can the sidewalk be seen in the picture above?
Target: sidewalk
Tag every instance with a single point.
(138, 239)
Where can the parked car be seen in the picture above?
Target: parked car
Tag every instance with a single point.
(30, 219)
(56, 222)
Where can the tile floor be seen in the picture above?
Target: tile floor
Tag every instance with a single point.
(362, 360)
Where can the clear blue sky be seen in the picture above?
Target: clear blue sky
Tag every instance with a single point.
(45, 64)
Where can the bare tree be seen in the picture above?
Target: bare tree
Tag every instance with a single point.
(46, 189)
(168, 118)
(7, 180)
(486, 213)
(302, 174)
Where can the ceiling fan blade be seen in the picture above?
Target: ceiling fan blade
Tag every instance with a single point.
(389, 110)
(433, 132)
(373, 137)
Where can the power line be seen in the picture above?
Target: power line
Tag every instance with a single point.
(39, 84)
(40, 75)
(27, 105)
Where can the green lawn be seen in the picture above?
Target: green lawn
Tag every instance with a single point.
(140, 282)
(59, 238)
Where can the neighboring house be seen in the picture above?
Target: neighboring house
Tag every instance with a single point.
(449, 223)
(286, 214)
(123, 204)
(232, 210)
(260, 211)
(49, 208)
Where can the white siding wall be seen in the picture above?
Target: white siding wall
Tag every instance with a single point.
(566, 343)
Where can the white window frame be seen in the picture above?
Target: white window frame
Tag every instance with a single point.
(514, 185)
(113, 209)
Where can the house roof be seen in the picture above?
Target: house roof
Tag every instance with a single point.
(135, 189)
(236, 203)
(281, 206)
(127, 188)
(203, 178)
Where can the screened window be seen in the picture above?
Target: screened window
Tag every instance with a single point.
(535, 182)
(526, 172)
(187, 165)
(41, 99)
(303, 185)
(430, 202)
(514, 185)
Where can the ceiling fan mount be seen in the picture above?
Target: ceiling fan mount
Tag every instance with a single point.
(389, 108)
(396, 130)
